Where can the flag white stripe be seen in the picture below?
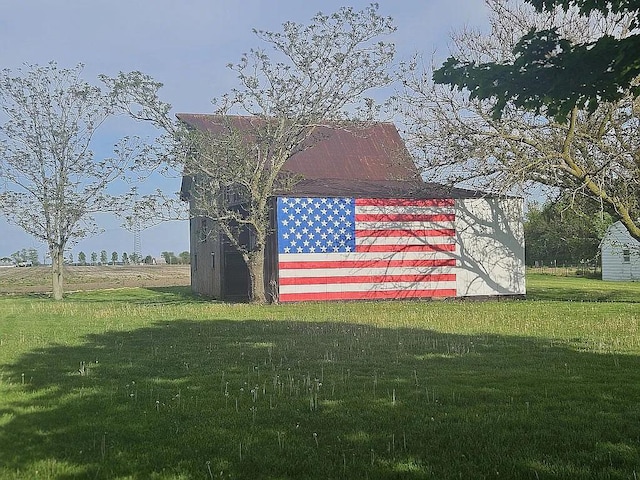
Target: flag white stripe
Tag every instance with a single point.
(363, 256)
(403, 210)
(404, 240)
(365, 287)
(421, 225)
(353, 272)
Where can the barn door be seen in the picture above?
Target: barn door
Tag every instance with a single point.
(236, 276)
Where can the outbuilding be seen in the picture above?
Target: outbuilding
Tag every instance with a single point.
(620, 254)
(361, 224)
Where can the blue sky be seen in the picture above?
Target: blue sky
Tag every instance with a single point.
(186, 45)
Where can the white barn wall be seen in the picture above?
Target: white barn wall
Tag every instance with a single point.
(490, 237)
(614, 266)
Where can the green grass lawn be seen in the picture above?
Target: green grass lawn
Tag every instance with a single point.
(154, 384)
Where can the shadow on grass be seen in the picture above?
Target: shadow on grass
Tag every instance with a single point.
(289, 400)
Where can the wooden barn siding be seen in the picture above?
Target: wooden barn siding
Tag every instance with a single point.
(614, 268)
(206, 276)
(490, 236)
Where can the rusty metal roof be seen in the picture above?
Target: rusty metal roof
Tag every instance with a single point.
(374, 152)
(377, 189)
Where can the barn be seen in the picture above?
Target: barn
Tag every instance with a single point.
(620, 254)
(361, 224)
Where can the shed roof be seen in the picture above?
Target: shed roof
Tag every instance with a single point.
(372, 152)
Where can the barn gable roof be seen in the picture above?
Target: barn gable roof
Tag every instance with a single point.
(373, 152)
(377, 189)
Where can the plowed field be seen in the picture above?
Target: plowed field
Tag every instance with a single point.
(38, 279)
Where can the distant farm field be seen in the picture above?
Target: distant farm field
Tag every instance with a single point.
(134, 383)
(37, 279)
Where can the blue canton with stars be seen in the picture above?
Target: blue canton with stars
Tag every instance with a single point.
(316, 225)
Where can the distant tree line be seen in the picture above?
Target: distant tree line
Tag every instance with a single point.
(125, 258)
(31, 256)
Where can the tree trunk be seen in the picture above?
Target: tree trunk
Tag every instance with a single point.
(255, 265)
(57, 264)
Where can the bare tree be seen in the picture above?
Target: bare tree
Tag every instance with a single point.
(52, 184)
(312, 75)
(461, 140)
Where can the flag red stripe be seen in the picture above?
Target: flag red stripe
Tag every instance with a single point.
(405, 202)
(368, 295)
(443, 247)
(405, 217)
(433, 232)
(441, 277)
(447, 262)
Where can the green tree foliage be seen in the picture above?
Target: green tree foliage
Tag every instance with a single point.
(125, 258)
(94, 258)
(564, 231)
(103, 257)
(551, 72)
(82, 258)
(114, 257)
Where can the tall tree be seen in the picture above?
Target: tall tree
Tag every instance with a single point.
(312, 74)
(596, 151)
(52, 182)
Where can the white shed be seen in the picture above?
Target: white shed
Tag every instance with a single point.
(620, 255)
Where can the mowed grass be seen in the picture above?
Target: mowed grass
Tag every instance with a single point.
(153, 383)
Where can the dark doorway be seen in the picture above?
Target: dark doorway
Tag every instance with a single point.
(236, 276)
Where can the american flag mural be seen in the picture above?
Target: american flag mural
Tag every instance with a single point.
(363, 248)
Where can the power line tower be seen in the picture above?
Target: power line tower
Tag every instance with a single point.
(134, 225)
(137, 243)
